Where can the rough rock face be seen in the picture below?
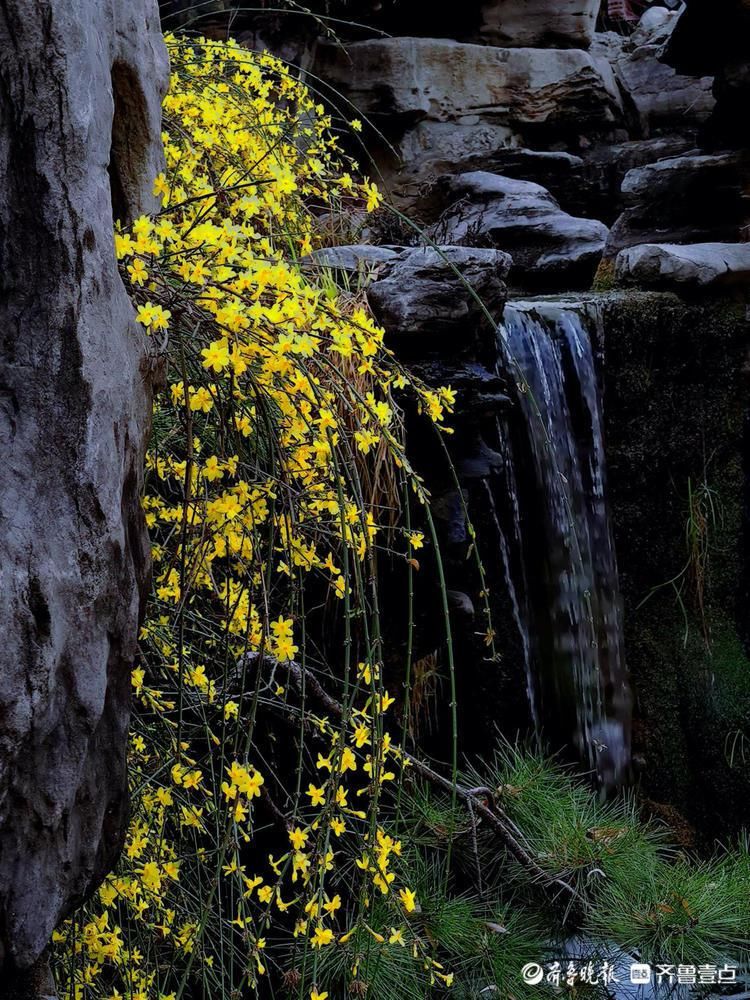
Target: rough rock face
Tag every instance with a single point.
(80, 96)
(430, 295)
(674, 267)
(432, 149)
(656, 96)
(409, 79)
(683, 199)
(437, 327)
(558, 23)
(449, 106)
(550, 249)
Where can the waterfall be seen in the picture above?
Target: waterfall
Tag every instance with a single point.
(555, 535)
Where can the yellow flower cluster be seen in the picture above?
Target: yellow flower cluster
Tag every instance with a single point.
(263, 479)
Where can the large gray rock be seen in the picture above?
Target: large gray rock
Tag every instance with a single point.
(588, 184)
(558, 23)
(550, 249)
(433, 148)
(428, 297)
(409, 79)
(683, 199)
(673, 267)
(440, 308)
(655, 26)
(443, 146)
(80, 92)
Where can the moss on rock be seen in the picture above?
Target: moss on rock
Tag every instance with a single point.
(675, 404)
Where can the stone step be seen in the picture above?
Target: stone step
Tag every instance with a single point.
(691, 267)
(551, 250)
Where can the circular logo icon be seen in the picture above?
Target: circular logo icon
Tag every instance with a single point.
(532, 973)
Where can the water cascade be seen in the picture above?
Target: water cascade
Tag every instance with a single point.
(555, 535)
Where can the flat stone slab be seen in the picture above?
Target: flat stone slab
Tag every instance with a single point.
(693, 266)
(442, 80)
(353, 257)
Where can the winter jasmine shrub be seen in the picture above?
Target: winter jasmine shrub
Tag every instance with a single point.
(285, 839)
(271, 440)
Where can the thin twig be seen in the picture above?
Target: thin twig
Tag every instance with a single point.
(475, 799)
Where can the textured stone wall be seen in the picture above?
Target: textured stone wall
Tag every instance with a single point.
(81, 85)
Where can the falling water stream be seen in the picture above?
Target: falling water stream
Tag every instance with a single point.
(555, 536)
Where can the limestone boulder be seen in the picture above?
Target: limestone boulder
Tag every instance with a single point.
(588, 184)
(440, 308)
(655, 26)
(354, 257)
(352, 266)
(443, 146)
(595, 190)
(80, 124)
(550, 249)
(685, 268)
(440, 300)
(433, 148)
(697, 197)
(405, 80)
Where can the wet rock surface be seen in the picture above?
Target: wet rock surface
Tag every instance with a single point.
(79, 142)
